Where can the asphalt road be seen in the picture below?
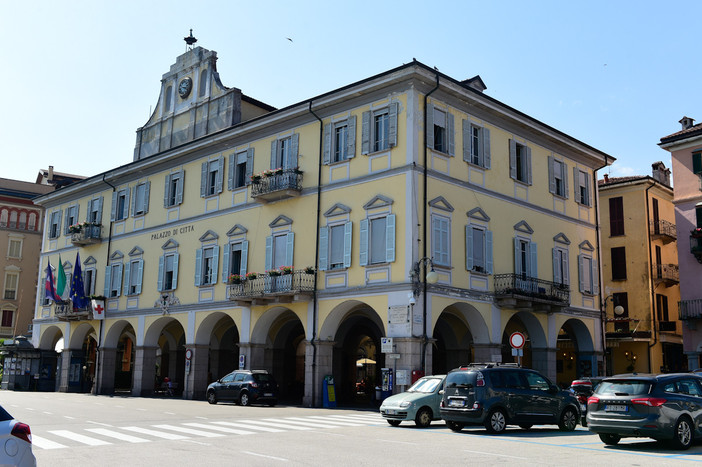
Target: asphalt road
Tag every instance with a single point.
(84, 430)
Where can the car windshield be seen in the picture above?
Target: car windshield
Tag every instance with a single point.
(425, 385)
(460, 379)
(624, 387)
(262, 378)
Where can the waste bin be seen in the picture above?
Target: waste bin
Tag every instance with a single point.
(378, 394)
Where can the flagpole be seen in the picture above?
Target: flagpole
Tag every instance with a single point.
(98, 367)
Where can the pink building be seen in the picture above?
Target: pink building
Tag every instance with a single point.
(685, 147)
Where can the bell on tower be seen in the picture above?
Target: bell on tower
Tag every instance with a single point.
(189, 40)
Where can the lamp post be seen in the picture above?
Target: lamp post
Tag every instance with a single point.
(419, 283)
(618, 311)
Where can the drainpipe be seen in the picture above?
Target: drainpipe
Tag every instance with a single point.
(315, 305)
(603, 302)
(424, 230)
(651, 280)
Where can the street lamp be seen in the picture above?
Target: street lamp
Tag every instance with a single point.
(431, 277)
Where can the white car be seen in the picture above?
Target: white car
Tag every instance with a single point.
(16, 442)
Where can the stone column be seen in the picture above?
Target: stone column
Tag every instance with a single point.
(316, 371)
(487, 353)
(106, 372)
(255, 355)
(410, 350)
(544, 361)
(196, 381)
(144, 377)
(65, 367)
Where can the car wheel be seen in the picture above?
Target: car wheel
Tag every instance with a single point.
(423, 418)
(394, 422)
(525, 427)
(496, 422)
(682, 436)
(569, 420)
(609, 440)
(244, 399)
(211, 397)
(454, 426)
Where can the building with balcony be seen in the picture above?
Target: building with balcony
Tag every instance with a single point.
(640, 277)
(296, 239)
(685, 147)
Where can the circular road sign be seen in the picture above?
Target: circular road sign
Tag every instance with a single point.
(517, 340)
(188, 354)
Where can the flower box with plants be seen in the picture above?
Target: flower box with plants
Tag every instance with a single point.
(251, 275)
(235, 279)
(309, 270)
(285, 270)
(274, 273)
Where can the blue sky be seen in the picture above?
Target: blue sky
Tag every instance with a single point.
(81, 76)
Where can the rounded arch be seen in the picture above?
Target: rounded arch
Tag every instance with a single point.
(272, 317)
(532, 325)
(468, 316)
(206, 331)
(49, 337)
(333, 321)
(79, 334)
(153, 332)
(579, 332)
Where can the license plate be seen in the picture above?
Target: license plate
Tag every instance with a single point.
(267, 394)
(456, 403)
(583, 408)
(616, 408)
(390, 412)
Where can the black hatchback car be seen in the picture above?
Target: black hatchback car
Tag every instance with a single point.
(496, 395)
(244, 387)
(663, 407)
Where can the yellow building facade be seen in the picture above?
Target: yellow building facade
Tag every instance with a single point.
(640, 274)
(299, 240)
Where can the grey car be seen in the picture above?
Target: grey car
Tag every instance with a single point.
(663, 407)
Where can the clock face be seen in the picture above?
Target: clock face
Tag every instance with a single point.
(184, 87)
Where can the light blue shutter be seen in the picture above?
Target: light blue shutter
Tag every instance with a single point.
(576, 184)
(244, 257)
(176, 257)
(127, 277)
(566, 194)
(348, 239)
(147, 193)
(351, 137)
(365, 132)
(533, 269)
(160, 273)
(486, 147)
(113, 212)
(289, 248)
(220, 175)
(323, 248)
(392, 124)
(556, 267)
(179, 187)
(269, 253)
(274, 154)
(98, 218)
(249, 164)
(166, 190)
(119, 273)
(469, 247)
(215, 263)
(225, 262)
(108, 280)
(230, 171)
(125, 213)
(363, 254)
(528, 164)
(587, 192)
(429, 127)
(203, 180)
(390, 238)
(134, 197)
(294, 150)
(595, 281)
(566, 268)
(551, 176)
(327, 144)
(450, 133)
(513, 159)
(140, 279)
(517, 262)
(467, 141)
(198, 267)
(488, 251)
(581, 273)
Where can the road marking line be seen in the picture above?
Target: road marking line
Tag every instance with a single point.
(202, 418)
(117, 435)
(196, 442)
(68, 417)
(335, 421)
(495, 454)
(97, 423)
(169, 413)
(251, 427)
(220, 428)
(277, 425)
(190, 431)
(306, 422)
(43, 443)
(158, 434)
(266, 456)
(48, 413)
(80, 438)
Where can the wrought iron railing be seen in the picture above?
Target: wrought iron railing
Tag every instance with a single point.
(666, 272)
(691, 309)
(65, 312)
(519, 285)
(287, 179)
(661, 227)
(91, 233)
(285, 284)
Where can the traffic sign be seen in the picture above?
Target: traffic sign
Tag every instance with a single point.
(517, 340)
(386, 345)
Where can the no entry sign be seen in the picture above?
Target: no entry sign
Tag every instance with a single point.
(517, 340)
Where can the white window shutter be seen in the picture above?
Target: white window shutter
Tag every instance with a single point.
(108, 280)
(99, 210)
(147, 193)
(528, 164)
(113, 212)
(225, 262)
(551, 176)
(198, 267)
(486, 147)
(363, 253)
(348, 241)
(488, 251)
(160, 274)
(429, 127)
(556, 266)
(215, 263)
(533, 266)
(576, 184)
(566, 194)
(450, 133)
(588, 198)
(581, 272)
(244, 258)
(390, 238)
(176, 258)
(393, 110)
(323, 248)
(269, 253)
(230, 172)
(290, 249)
(351, 137)
(595, 281)
(513, 159)
(140, 278)
(203, 180)
(166, 190)
(365, 132)
(327, 144)
(249, 165)
(119, 274)
(274, 154)
(469, 247)
(467, 140)
(220, 175)
(566, 268)
(517, 262)
(295, 148)
(179, 187)
(134, 198)
(127, 277)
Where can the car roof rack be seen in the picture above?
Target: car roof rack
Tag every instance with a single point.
(489, 365)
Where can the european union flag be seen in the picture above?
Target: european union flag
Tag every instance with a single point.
(77, 287)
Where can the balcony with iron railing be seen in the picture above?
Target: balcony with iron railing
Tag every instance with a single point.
(519, 291)
(86, 234)
(284, 288)
(668, 274)
(276, 184)
(691, 309)
(65, 311)
(663, 230)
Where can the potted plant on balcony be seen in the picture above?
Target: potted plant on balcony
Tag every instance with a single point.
(75, 228)
(273, 272)
(256, 178)
(268, 173)
(285, 270)
(235, 279)
(297, 170)
(309, 270)
(251, 275)
(278, 171)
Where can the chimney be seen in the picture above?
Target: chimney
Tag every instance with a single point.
(606, 178)
(687, 122)
(660, 173)
(50, 178)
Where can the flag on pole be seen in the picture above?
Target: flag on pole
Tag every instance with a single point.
(77, 287)
(61, 280)
(49, 290)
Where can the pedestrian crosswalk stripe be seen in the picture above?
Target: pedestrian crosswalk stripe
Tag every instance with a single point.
(277, 425)
(43, 443)
(337, 422)
(117, 435)
(220, 428)
(359, 418)
(251, 427)
(80, 438)
(158, 434)
(308, 422)
(189, 431)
